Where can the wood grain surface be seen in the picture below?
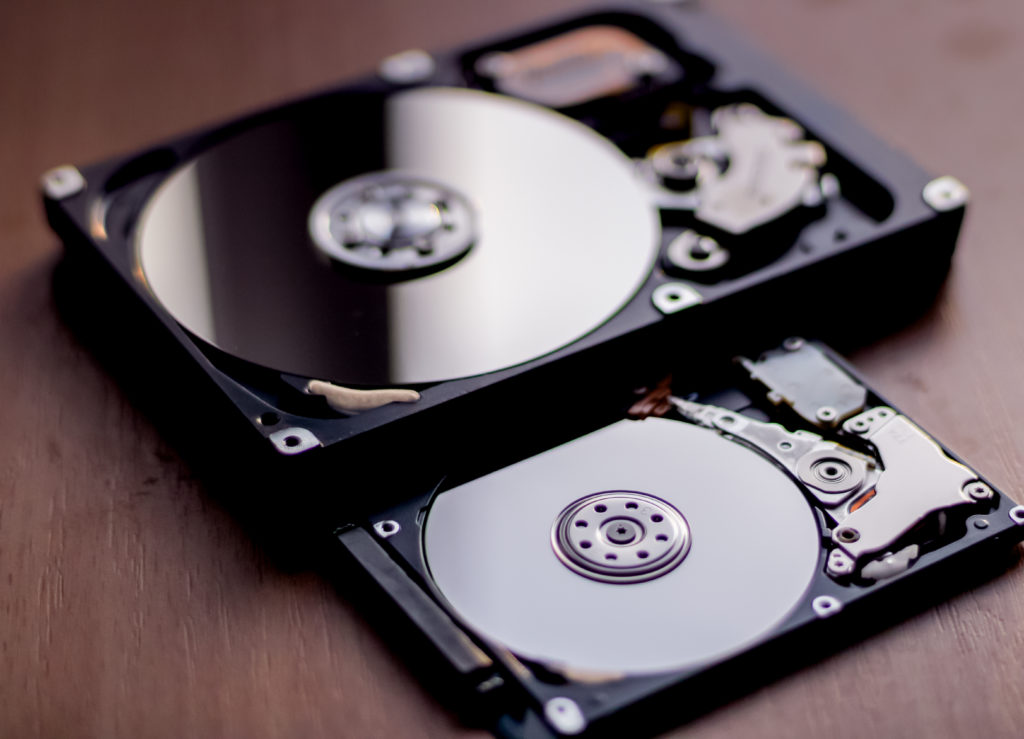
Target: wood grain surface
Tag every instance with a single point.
(133, 605)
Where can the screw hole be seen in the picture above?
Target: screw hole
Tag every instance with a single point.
(662, 537)
(642, 554)
(581, 524)
(840, 235)
(657, 518)
(632, 505)
(611, 556)
(600, 508)
(585, 544)
(292, 441)
(388, 527)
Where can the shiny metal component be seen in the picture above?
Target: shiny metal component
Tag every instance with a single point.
(875, 503)
(407, 67)
(831, 472)
(1017, 514)
(63, 182)
(755, 169)
(223, 243)
(829, 186)
(695, 253)
(825, 606)
(945, 193)
(393, 222)
(919, 480)
(487, 547)
(826, 414)
(621, 537)
(564, 716)
(294, 440)
(892, 564)
(801, 376)
(979, 491)
(840, 563)
(387, 529)
(672, 297)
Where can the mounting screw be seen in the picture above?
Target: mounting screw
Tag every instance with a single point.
(945, 193)
(978, 490)
(840, 563)
(564, 716)
(825, 606)
(407, 67)
(827, 414)
(793, 343)
(672, 297)
(63, 182)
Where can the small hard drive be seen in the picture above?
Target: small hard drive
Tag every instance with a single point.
(721, 529)
(433, 312)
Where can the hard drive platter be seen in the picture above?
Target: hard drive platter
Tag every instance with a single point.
(550, 235)
(487, 546)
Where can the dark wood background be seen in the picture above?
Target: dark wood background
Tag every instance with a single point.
(132, 605)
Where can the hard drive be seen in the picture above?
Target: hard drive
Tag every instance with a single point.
(489, 222)
(730, 522)
(490, 323)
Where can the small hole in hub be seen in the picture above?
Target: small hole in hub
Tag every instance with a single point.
(292, 441)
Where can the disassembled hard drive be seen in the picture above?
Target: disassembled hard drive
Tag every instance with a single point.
(679, 542)
(466, 220)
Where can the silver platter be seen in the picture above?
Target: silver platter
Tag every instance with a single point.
(753, 547)
(374, 239)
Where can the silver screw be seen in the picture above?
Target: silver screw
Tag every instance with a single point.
(839, 563)
(63, 182)
(945, 193)
(564, 715)
(825, 606)
(978, 490)
(672, 297)
(827, 414)
(407, 67)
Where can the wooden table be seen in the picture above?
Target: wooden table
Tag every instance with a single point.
(133, 605)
